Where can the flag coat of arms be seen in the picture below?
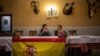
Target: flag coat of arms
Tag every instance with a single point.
(38, 46)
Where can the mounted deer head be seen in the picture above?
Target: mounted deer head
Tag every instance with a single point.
(35, 6)
(68, 8)
(93, 5)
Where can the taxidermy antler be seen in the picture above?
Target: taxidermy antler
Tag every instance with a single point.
(35, 6)
(92, 7)
(68, 8)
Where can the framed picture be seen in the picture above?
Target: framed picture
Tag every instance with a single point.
(5, 24)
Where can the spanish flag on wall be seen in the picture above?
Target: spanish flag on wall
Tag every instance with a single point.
(38, 47)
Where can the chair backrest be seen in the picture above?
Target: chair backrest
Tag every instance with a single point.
(32, 33)
(72, 32)
(20, 32)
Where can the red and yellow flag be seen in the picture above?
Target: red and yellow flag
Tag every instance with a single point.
(38, 47)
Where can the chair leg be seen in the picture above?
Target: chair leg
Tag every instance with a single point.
(89, 53)
(74, 52)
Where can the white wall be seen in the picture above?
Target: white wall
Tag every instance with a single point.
(80, 30)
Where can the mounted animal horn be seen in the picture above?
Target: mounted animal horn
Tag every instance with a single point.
(92, 7)
(35, 6)
(68, 8)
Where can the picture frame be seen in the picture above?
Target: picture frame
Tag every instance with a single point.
(5, 24)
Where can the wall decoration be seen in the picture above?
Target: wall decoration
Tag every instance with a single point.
(35, 7)
(67, 10)
(52, 11)
(93, 5)
(6, 24)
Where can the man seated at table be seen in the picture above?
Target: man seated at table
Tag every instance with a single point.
(60, 32)
(44, 31)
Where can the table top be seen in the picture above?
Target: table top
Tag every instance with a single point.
(82, 39)
(7, 40)
(69, 39)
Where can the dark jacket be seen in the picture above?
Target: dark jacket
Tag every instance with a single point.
(41, 33)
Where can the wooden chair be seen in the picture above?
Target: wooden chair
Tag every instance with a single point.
(73, 49)
(72, 32)
(32, 33)
(18, 33)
